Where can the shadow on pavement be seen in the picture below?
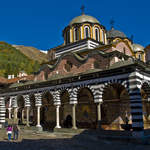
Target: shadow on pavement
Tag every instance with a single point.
(86, 140)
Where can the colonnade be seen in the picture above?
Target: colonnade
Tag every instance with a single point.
(97, 90)
(13, 107)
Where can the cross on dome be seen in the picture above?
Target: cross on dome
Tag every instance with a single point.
(112, 22)
(82, 9)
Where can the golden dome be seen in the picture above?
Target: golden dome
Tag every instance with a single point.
(137, 47)
(84, 18)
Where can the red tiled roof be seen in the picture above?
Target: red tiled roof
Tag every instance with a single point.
(3, 80)
(14, 80)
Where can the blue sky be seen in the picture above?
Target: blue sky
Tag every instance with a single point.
(39, 23)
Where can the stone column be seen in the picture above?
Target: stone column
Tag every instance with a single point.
(136, 105)
(27, 116)
(99, 115)
(38, 117)
(38, 103)
(9, 113)
(74, 116)
(57, 117)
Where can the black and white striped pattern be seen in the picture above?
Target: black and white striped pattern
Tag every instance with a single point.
(132, 82)
(27, 100)
(13, 100)
(97, 91)
(136, 102)
(38, 99)
(56, 97)
(73, 95)
(2, 110)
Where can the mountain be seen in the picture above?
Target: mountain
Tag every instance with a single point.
(12, 61)
(32, 53)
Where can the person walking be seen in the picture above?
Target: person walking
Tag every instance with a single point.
(9, 132)
(15, 132)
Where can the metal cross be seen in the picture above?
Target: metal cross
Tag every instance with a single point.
(112, 23)
(82, 9)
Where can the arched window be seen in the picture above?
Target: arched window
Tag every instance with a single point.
(86, 32)
(76, 34)
(67, 37)
(139, 57)
(96, 34)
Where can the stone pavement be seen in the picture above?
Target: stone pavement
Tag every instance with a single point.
(88, 140)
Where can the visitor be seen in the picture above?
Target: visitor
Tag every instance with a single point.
(9, 132)
(15, 132)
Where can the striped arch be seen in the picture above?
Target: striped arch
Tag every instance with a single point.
(56, 97)
(97, 91)
(88, 87)
(38, 99)
(27, 100)
(18, 102)
(73, 94)
(50, 92)
(30, 99)
(13, 100)
(123, 83)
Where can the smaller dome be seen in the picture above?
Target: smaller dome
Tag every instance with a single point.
(115, 33)
(84, 18)
(137, 48)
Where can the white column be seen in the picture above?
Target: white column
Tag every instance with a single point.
(9, 113)
(38, 116)
(99, 115)
(74, 116)
(27, 117)
(57, 117)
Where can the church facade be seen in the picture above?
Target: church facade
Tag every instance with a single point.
(95, 79)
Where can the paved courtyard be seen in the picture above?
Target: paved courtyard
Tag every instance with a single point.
(66, 141)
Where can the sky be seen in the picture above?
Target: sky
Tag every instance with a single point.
(39, 23)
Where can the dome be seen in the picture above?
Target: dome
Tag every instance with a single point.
(115, 33)
(84, 18)
(137, 48)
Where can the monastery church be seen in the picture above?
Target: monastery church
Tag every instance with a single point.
(97, 79)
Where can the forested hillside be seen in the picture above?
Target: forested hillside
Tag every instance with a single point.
(32, 52)
(12, 61)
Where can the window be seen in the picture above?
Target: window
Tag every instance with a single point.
(102, 36)
(76, 34)
(96, 34)
(86, 32)
(68, 66)
(139, 57)
(68, 37)
(97, 64)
